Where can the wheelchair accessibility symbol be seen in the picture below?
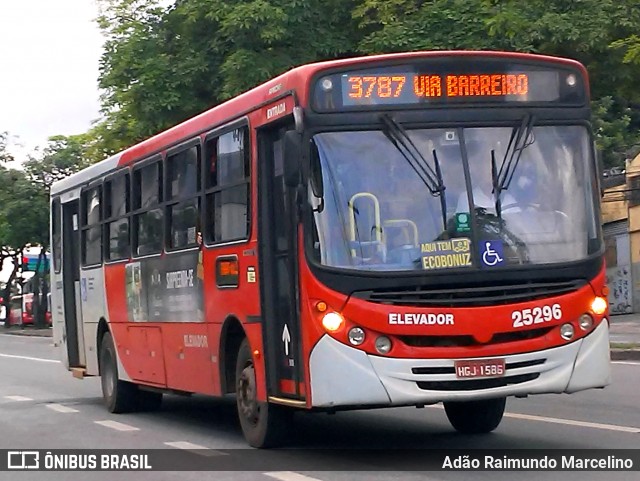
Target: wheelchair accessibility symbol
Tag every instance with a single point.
(491, 253)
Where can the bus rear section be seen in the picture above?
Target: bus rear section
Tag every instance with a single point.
(398, 230)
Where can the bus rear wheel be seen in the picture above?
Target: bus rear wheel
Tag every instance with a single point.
(475, 417)
(119, 396)
(263, 424)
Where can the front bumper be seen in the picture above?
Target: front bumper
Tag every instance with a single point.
(344, 376)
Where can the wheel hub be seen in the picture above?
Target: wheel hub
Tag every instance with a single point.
(109, 381)
(247, 399)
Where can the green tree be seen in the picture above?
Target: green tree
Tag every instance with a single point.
(61, 157)
(5, 155)
(161, 66)
(24, 217)
(602, 34)
(409, 25)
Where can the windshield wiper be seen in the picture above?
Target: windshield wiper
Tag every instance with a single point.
(430, 177)
(520, 139)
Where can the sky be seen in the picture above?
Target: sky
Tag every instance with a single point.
(49, 57)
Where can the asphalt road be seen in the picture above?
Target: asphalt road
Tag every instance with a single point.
(43, 407)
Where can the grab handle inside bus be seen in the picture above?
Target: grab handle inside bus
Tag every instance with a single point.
(292, 151)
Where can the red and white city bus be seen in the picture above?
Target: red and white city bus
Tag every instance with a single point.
(395, 230)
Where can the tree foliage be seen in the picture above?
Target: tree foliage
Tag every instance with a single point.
(61, 157)
(24, 210)
(5, 155)
(163, 64)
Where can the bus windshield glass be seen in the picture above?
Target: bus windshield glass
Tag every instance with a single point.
(489, 201)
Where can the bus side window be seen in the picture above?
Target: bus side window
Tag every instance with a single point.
(227, 183)
(183, 189)
(148, 218)
(117, 207)
(91, 232)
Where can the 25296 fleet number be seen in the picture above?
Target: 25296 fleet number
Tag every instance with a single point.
(536, 315)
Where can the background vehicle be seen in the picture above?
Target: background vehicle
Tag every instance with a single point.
(395, 230)
(21, 312)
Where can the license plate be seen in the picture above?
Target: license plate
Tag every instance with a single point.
(480, 368)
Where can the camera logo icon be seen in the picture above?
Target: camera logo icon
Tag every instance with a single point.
(23, 460)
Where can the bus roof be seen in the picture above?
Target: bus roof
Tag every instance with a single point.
(295, 80)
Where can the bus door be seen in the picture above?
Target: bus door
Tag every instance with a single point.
(279, 269)
(71, 283)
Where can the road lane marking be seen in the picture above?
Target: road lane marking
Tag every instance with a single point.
(61, 409)
(117, 426)
(196, 448)
(567, 422)
(289, 476)
(29, 358)
(18, 398)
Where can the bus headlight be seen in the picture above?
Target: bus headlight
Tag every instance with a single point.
(585, 322)
(332, 321)
(566, 332)
(599, 305)
(383, 344)
(356, 336)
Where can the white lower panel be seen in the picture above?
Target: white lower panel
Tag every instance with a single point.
(344, 376)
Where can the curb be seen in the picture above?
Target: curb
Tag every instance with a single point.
(29, 333)
(625, 354)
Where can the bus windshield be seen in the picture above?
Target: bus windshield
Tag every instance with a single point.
(379, 213)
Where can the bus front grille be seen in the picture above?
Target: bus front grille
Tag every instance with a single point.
(476, 384)
(469, 296)
(467, 340)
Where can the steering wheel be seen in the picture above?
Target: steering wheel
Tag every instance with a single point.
(523, 206)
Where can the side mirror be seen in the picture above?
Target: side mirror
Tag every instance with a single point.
(292, 152)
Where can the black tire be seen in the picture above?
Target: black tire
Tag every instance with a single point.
(119, 396)
(475, 417)
(264, 425)
(149, 400)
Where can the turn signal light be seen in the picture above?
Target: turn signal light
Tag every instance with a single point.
(321, 306)
(332, 321)
(599, 305)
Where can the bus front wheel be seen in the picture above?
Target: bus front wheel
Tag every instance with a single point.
(119, 396)
(263, 424)
(475, 417)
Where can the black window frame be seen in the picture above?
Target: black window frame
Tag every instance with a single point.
(139, 210)
(110, 217)
(85, 226)
(210, 191)
(56, 234)
(172, 201)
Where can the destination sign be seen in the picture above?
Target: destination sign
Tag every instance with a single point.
(379, 87)
(460, 82)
